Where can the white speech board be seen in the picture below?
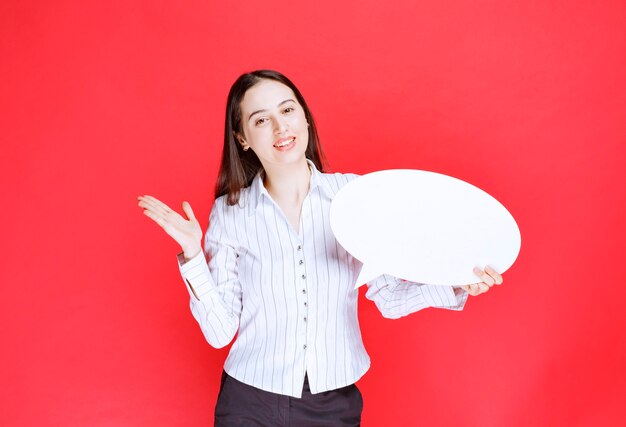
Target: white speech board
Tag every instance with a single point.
(423, 227)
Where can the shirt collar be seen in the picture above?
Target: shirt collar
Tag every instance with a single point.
(258, 190)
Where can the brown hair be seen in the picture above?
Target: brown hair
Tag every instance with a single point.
(238, 167)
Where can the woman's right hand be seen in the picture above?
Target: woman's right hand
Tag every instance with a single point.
(187, 233)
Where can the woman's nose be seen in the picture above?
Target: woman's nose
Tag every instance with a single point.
(280, 125)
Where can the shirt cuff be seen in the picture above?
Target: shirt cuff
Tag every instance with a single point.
(461, 298)
(196, 274)
(440, 296)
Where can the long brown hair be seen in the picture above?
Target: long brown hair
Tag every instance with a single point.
(238, 167)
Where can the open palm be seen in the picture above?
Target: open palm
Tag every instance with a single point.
(186, 232)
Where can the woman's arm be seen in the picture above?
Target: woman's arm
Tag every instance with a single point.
(214, 288)
(396, 298)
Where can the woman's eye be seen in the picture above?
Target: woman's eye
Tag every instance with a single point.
(289, 109)
(259, 121)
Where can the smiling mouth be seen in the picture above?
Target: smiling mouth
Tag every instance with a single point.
(285, 142)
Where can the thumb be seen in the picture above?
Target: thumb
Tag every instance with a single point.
(188, 211)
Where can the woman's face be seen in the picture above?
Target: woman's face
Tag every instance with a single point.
(274, 124)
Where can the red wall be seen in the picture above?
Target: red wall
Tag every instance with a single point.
(103, 101)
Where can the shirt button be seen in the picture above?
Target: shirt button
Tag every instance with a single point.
(303, 276)
(305, 303)
(304, 346)
(304, 291)
(301, 262)
(299, 247)
(305, 319)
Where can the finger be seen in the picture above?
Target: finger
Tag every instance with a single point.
(472, 289)
(188, 211)
(487, 279)
(476, 289)
(157, 218)
(157, 211)
(156, 202)
(152, 204)
(497, 277)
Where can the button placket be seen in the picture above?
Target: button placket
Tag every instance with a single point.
(302, 268)
(300, 258)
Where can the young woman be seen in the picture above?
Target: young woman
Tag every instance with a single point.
(276, 277)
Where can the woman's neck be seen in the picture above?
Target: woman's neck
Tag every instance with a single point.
(288, 183)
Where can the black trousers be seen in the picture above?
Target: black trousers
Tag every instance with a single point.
(240, 404)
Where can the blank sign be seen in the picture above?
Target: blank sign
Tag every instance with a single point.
(423, 227)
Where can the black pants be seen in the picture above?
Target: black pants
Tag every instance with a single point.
(240, 404)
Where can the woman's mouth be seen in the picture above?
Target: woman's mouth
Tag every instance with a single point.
(285, 143)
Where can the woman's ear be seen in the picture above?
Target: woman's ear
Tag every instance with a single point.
(241, 141)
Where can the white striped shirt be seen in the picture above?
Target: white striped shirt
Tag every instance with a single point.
(289, 295)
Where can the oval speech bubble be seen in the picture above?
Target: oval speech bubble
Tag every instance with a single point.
(423, 227)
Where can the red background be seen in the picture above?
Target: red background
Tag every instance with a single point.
(104, 101)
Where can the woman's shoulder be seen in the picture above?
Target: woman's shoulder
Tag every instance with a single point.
(341, 177)
(335, 180)
(224, 218)
(222, 202)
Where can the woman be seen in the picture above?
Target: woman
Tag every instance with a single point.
(276, 276)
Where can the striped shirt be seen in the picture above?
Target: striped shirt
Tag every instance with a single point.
(289, 294)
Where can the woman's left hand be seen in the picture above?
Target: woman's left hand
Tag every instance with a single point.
(489, 276)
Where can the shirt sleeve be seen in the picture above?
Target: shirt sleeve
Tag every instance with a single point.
(214, 287)
(396, 298)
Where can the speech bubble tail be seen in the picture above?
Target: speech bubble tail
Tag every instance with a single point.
(366, 275)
